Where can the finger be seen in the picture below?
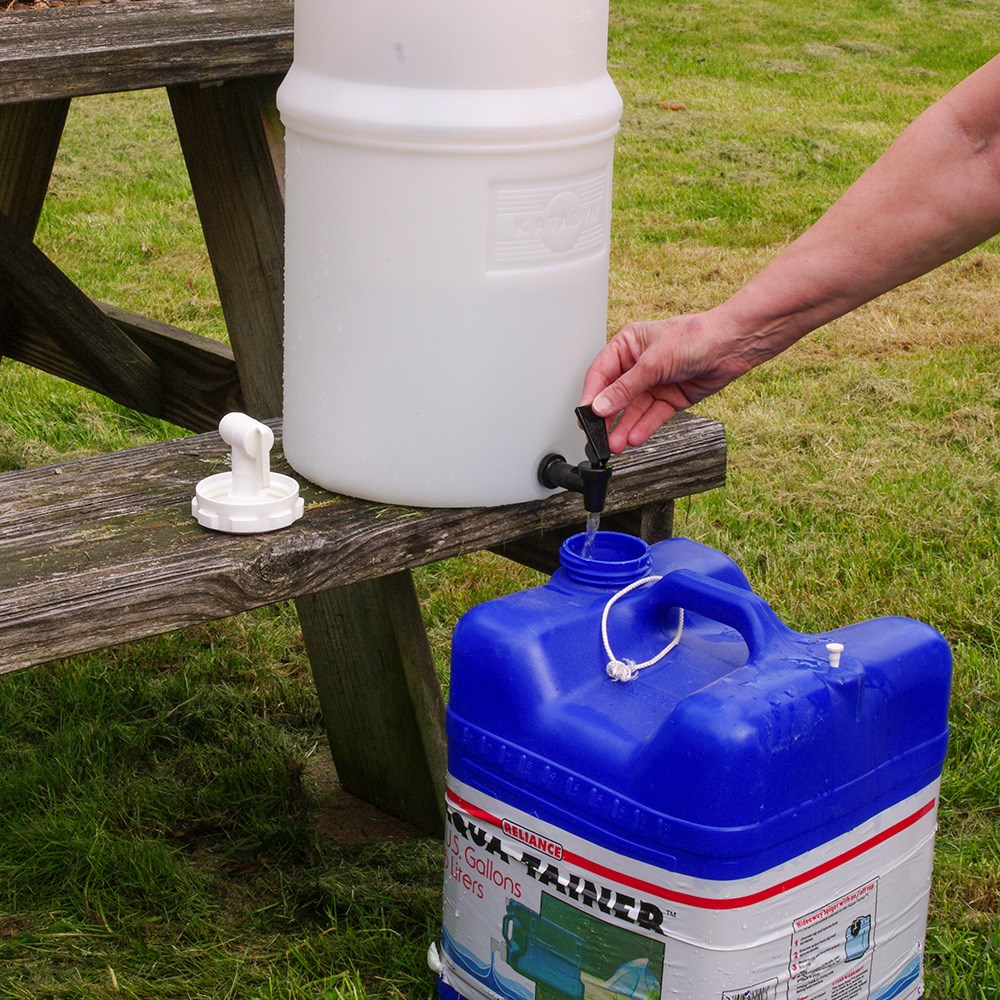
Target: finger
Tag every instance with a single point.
(654, 417)
(594, 382)
(646, 414)
(615, 358)
(624, 390)
(618, 438)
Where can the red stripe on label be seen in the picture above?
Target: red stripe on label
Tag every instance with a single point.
(705, 902)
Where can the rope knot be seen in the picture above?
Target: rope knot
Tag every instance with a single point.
(626, 670)
(622, 670)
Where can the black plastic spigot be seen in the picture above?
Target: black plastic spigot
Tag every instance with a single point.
(590, 478)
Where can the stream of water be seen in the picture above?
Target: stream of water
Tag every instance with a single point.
(593, 523)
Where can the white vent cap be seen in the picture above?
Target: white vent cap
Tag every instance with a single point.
(251, 498)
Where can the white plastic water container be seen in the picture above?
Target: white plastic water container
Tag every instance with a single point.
(448, 203)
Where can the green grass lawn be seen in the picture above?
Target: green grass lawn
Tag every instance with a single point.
(165, 832)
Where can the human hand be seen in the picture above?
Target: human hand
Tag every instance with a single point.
(650, 371)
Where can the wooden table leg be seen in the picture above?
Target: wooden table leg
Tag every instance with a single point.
(29, 140)
(381, 699)
(371, 660)
(33, 287)
(239, 198)
(656, 521)
(98, 348)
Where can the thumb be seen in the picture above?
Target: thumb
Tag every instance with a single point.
(615, 397)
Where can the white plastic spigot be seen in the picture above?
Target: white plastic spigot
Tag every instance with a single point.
(834, 651)
(251, 498)
(251, 442)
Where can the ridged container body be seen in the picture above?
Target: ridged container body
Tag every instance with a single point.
(448, 206)
(742, 819)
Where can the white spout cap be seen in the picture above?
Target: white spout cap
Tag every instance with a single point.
(434, 962)
(834, 651)
(251, 498)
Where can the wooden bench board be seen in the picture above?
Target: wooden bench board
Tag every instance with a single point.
(73, 51)
(104, 550)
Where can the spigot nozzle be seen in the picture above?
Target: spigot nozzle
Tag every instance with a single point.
(590, 478)
(595, 480)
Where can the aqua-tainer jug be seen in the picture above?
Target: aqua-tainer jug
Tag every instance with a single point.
(750, 814)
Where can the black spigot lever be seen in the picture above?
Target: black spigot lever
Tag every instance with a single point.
(598, 449)
(590, 478)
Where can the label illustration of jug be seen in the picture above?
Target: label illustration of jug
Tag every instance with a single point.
(857, 937)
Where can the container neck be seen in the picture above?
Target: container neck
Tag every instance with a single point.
(613, 559)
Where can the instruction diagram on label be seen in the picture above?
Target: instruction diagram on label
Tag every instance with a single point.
(832, 948)
(761, 991)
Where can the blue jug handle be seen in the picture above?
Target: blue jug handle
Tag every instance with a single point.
(724, 603)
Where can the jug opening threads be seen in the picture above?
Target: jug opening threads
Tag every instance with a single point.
(612, 559)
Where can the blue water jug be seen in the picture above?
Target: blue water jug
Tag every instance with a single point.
(644, 759)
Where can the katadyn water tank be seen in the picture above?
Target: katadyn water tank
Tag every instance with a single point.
(448, 205)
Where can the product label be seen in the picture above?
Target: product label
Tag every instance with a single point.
(834, 945)
(533, 912)
(537, 224)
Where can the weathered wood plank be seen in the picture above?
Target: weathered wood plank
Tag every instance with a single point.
(71, 51)
(200, 373)
(104, 550)
(38, 289)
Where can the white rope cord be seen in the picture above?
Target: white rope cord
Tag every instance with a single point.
(625, 670)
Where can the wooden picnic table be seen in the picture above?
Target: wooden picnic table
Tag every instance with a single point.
(104, 550)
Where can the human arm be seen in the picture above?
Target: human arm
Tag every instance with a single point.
(933, 194)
